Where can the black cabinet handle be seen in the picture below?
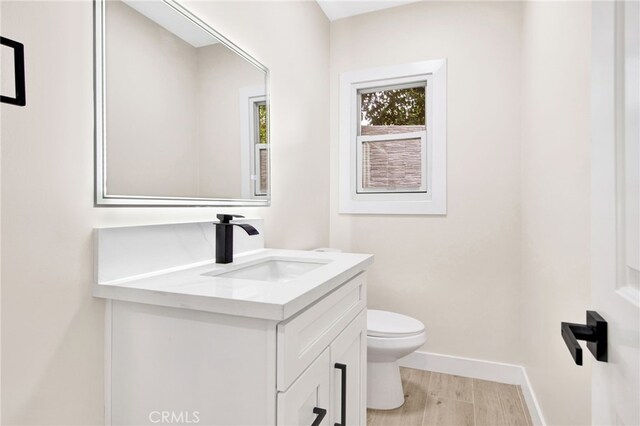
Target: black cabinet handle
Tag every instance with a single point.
(321, 412)
(18, 67)
(343, 397)
(594, 333)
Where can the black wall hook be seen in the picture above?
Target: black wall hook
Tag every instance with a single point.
(594, 333)
(18, 66)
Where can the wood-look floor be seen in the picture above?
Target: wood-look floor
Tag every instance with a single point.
(435, 399)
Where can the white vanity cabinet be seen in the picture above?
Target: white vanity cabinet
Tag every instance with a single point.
(222, 369)
(265, 340)
(333, 383)
(318, 350)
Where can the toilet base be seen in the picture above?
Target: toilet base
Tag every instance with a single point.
(384, 386)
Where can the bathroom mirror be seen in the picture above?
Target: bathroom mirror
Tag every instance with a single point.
(182, 114)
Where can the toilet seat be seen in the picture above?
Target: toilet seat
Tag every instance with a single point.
(385, 324)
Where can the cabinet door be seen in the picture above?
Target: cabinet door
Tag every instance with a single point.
(348, 378)
(306, 402)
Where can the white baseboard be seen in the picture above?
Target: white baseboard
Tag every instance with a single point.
(478, 369)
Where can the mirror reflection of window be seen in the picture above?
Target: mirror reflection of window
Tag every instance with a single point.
(261, 162)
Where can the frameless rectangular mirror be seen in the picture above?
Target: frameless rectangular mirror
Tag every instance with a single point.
(182, 114)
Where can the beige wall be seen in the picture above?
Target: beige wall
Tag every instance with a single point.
(458, 273)
(52, 328)
(556, 202)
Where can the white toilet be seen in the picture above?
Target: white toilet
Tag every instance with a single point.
(390, 336)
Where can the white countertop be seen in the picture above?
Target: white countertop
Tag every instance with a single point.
(186, 287)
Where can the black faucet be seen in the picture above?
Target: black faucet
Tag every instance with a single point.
(224, 236)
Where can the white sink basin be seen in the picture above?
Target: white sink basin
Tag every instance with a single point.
(272, 270)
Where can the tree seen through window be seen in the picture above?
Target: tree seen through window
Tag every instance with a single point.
(395, 107)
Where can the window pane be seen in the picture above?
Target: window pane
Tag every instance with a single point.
(264, 170)
(262, 123)
(392, 111)
(392, 164)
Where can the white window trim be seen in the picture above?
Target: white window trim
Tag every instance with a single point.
(435, 200)
(249, 96)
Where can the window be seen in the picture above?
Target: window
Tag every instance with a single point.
(260, 172)
(254, 137)
(392, 139)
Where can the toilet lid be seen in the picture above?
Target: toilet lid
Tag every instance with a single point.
(391, 324)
